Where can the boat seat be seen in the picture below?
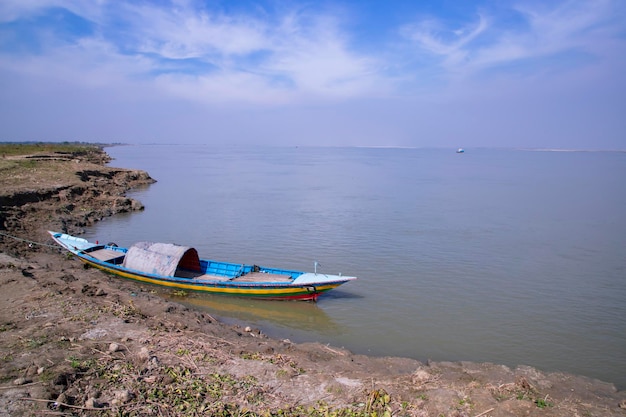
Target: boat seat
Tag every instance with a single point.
(186, 273)
(107, 255)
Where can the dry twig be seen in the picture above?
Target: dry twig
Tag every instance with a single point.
(484, 412)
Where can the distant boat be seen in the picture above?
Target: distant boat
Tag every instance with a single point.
(179, 267)
(460, 150)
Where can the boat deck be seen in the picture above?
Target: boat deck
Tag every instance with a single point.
(249, 277)
(106, 255)
(262, 277)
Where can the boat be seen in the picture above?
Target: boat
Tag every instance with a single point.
(460, 150)
(179, 267)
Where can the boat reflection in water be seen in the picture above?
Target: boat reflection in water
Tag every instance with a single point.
(305, 317)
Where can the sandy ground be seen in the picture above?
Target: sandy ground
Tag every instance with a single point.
(75, 341)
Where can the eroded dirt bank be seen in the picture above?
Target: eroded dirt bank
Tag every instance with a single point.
(76, 341)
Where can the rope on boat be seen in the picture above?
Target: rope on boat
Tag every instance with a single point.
(30, 242)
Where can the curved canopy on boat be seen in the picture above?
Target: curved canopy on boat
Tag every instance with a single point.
(161, 258)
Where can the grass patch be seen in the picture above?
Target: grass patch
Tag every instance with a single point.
(543, 402)
(33, 343)
(29, 148)
(182, 390)
(123, 311)
(28, 163)
(5, 327)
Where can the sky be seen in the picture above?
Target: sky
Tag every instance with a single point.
(406, 73)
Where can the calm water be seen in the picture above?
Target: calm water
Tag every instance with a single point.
(512, 257)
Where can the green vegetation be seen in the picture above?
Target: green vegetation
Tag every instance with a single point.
(38, 163)
(543, 403)
(28, 163)
(33, 343)
(29, 148)
(123, 311)
(183, 391)
(6, 327)
(81, 365)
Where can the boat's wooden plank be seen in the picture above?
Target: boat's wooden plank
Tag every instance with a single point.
(262, 277)
(185, 273)
(249, 277)
(106, 255)
(210, 277)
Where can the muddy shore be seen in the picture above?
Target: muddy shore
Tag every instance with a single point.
(75, 341)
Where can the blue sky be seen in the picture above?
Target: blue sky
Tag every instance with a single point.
(541, 74)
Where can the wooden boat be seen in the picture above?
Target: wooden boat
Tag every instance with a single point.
(180, 267)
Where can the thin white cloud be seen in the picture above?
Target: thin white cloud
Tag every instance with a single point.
(567, 27)
(184, 32)
(11, 10)
(318, 60)
(429, 35)
(90, 63)
(302, 55)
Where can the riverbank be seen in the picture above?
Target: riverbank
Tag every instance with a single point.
(74, 340)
